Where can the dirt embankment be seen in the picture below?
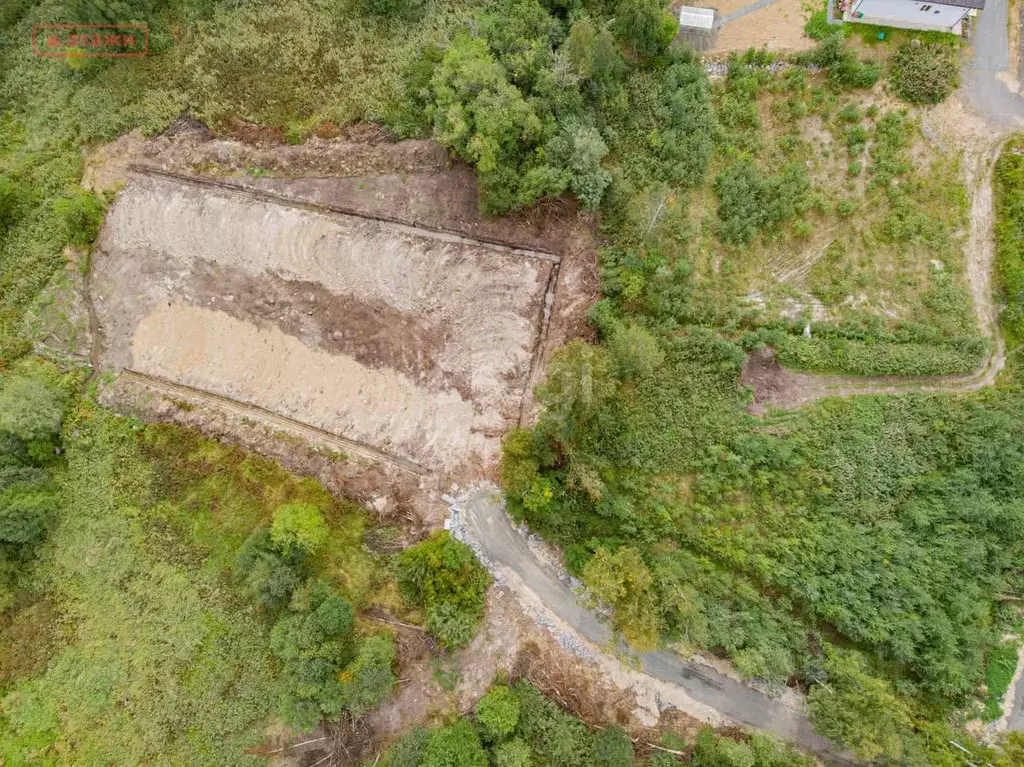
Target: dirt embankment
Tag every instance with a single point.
(414, 344)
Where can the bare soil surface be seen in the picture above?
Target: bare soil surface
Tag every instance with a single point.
(395, 495)
(416, 343)
(778, 26)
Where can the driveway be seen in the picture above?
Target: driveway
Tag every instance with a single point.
(988, 68)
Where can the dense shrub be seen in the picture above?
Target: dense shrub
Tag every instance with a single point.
(862, 711)
(924, 73)
(613, 748)
(498, 712)
(298, 528)
(33, 400)
(443, 576)
(457, 745)
(555, 736)
(645, 26)
(81, 215)
(313, 642)
(368, 680)
(1009, 202)
(883, 358)
(399, 8)
(749, 203)
(267, 572)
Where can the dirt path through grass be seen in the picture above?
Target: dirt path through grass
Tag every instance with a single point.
(778, 387)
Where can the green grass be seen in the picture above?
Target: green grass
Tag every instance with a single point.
(137, 647)
(164, 663)
(999, 671)
(1009, 205)
(216, 495)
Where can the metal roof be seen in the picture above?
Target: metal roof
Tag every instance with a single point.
(978, 4)
(701, 18)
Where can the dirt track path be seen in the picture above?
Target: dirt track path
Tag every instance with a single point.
(788, 390)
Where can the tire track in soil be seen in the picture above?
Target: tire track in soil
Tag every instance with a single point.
(244, 409)
(416, 228)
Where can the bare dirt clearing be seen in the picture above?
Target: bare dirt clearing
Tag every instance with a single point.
(416, 344)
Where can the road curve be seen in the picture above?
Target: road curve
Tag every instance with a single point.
(488, 529)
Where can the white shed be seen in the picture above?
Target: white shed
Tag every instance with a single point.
(698, 27)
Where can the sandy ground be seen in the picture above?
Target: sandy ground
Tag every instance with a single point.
(777, 27)
(417, 345)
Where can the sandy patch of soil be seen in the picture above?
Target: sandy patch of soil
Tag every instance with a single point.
(415, 344)
(777, 27)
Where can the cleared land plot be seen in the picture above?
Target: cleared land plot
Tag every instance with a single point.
(416, 344)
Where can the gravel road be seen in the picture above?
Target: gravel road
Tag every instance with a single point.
(481, 520)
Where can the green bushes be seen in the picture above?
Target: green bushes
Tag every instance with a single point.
(857, 709)
(536, 731)
(537, 105)
(817, 26)
(1009, 232)
(924, 73)
(457, 745)
(165, 663)
(442, 575)
(33, 400)
(323, 668)
(749, 203)
(1000, 668)
(267, 572)
(601, 475)
(831, 355)
(498, 712)
(494, 100)
(313, 643)
(845, 70)
(299, 526)
(81, 215)
(369, 680)
(645, 26)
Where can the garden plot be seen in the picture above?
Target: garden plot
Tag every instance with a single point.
(417, 344)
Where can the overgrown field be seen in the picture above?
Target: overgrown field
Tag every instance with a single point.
(1009, 201)
(169, 599)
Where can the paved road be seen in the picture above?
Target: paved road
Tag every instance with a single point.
(981, 85)
(984, 86)
(489, 529)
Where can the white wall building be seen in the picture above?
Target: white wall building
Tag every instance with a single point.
(947, 16)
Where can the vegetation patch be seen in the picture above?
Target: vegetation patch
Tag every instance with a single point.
(516, 725)
(925, 73)
(1009, 203)
(999, 672)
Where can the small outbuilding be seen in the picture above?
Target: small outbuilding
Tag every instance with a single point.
(698, 27)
